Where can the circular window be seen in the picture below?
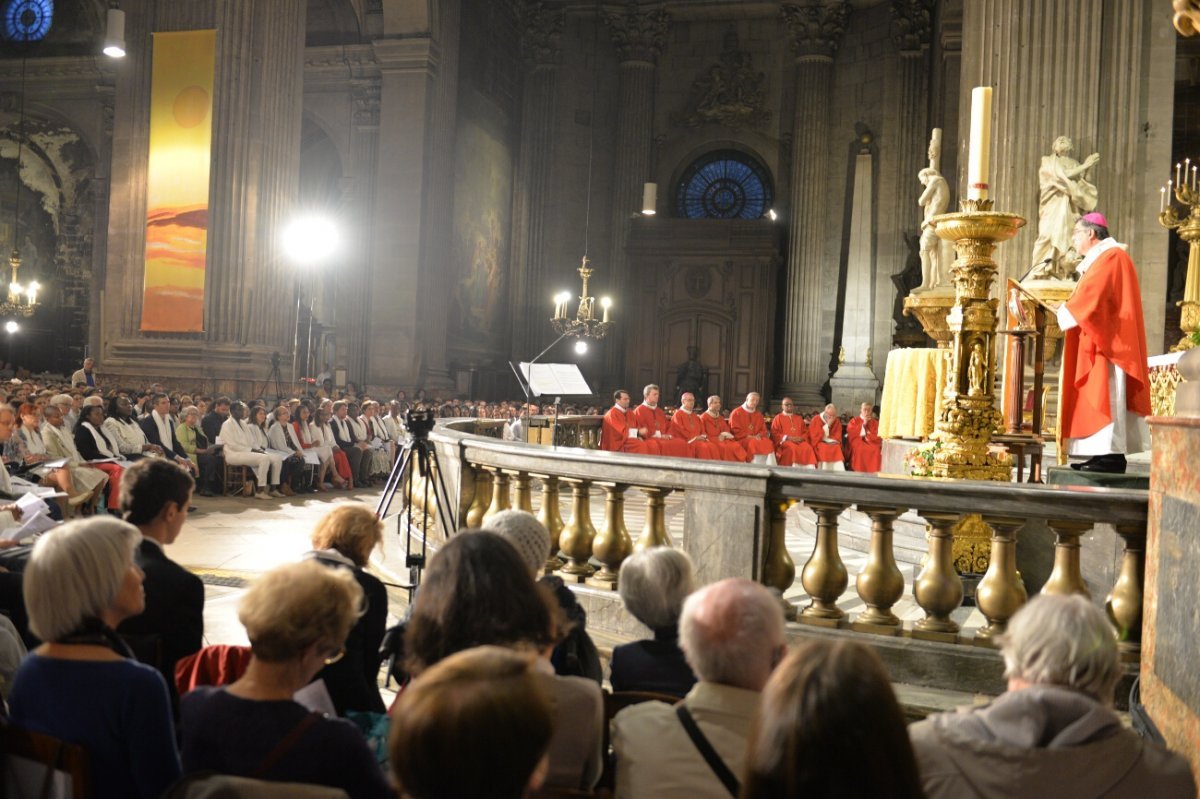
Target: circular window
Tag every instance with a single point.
(724, 185)
(27, 20)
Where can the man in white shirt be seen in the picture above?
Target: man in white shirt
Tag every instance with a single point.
(732, 634)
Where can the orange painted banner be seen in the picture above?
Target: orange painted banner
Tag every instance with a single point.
(181, 90)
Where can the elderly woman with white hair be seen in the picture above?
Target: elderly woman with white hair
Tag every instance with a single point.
(82, 685)
(654, 583)
(1053, 732)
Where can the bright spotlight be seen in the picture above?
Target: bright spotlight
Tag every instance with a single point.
(580, 345)
(771, 213)
(114, 34)
(11, 326)
(309, 239)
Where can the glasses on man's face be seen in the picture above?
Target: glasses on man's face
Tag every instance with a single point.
(336, 656)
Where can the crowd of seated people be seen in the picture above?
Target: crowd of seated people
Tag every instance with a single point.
(486, 715)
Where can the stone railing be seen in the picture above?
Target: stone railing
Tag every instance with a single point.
(569, 431)
(734, 519)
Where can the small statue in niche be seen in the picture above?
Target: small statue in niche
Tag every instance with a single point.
(935, 199)
(976, 371)
(1064, 195)
(691, 376)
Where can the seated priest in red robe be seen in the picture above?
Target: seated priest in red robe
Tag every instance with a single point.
(619, 432)
(717, 429)
(652, 421)
(687, 425)
(825, 435)
(866, 447)
(751, 431)
(790, 434)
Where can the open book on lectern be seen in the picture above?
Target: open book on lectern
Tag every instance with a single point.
(555, 379)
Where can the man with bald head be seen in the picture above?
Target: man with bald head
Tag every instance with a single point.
(825, 435)
(790, 434)
(687, 425)
(750, 430)
(732, 634)
(717, 429)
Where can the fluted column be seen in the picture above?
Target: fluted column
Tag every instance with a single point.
(540, 26)
(639, 37)
(816, 30)
(352, 286)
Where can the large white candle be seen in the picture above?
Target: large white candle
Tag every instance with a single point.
(980, 143)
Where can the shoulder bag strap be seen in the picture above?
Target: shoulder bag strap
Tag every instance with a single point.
(727, 777)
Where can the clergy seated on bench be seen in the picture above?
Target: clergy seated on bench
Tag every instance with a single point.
(1053, 734)
(654, 584)
(732, 633)
(863, 441)
(653, 425)
(790, 434)
(749, 430)
(825, 435)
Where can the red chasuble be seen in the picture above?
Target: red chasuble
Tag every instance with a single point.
(751, 431)
(731, 450)
(1107, 304)
(686, 426)
(795, 451)
(614, 434)
(826, 453)
(866, 453)
(655, 420)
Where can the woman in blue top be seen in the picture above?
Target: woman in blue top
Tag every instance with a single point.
(82, 685)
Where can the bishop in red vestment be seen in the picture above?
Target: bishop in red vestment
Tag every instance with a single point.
(615, 430)
(718, 430)
(866, 447)
(653, 421)
(751, 431)
(687, 425)
(1105, 383)
(790, 434)
(825, 435)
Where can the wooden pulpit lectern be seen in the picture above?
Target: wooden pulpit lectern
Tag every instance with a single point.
(1023, 328)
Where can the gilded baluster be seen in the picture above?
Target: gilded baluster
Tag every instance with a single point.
(1124, 604)
(1001, 592)
(824, 576)
(576, 538)
(880, 583)
(523, 492)
(938, 588)
(1066, 577)
(483, 493)
(779, 570)
(654, 533)
(613, 544)
(550, 515)
(500, 498)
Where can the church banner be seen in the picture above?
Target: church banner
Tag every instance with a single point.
(181, 88)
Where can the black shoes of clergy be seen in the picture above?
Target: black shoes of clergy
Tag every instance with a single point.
(1111, 464)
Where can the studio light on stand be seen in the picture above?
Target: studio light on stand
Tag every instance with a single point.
(307, 241)
(114, 33)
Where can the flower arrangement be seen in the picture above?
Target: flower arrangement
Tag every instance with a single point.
(920, 460)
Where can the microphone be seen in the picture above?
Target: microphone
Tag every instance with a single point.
(1035, 266)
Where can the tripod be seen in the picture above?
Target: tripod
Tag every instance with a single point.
(417, 454)
(274, 373)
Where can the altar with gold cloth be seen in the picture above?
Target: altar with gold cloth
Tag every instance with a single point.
(913, 387)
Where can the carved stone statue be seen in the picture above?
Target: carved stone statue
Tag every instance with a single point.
(1064, 196)
(691, 376)
(976, 371)
(935, 199)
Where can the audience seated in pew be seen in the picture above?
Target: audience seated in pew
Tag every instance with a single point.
(654, 584)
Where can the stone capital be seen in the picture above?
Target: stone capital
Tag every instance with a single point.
(816, 28)
(638, 35)
(912, 24)
(365, 94)
(540, 27)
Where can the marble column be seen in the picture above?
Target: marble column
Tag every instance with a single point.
(1105, 79)
(639, 37)
(256, 115)
(541, 29)
(352, 287)
(816, 30)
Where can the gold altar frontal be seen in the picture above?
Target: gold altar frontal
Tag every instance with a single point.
(913, 392)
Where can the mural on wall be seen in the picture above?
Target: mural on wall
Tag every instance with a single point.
(181, 86)
(482, 218)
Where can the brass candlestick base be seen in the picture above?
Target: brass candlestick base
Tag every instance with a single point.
(969, 415)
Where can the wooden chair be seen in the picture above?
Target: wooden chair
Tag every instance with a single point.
(236, 478)
(38, 766)
(614, 703)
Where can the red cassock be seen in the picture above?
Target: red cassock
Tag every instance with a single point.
(731, 450)
(614, 434)
(826, 453)
(866, 451)
(1107, 304)
(686, 425)
(796, 451)
(751, 431)
(655, 421)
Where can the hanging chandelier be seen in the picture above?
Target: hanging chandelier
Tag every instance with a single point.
(22, 300)
(584, 324)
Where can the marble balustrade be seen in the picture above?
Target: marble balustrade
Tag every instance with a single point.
(734, 519)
